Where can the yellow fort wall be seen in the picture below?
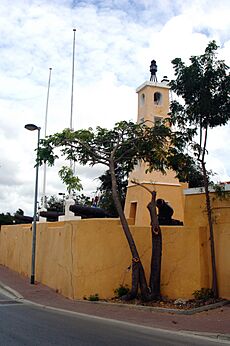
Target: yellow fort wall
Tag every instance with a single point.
(195, 215)
(84, 257)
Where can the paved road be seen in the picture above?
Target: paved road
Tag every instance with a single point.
(23, 324)
(3, 297)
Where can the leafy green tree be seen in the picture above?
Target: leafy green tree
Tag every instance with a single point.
(118, 149)
(53, 203)
(6, 219)
(72, 182)
(83, 200)
(106, 198)
(204, 86)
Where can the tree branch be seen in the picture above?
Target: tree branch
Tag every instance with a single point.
(93, 154)
(144, 187)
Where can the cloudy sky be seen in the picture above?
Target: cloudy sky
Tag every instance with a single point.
(115, 42)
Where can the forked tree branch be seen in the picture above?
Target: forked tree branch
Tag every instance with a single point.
(144, 187)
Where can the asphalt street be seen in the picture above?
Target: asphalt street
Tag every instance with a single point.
(25, 324)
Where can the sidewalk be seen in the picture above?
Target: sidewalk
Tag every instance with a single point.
(214, 322)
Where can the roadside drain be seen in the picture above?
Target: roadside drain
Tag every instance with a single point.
(10, 302)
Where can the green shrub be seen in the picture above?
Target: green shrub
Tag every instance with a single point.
(94, 297)
(121, 291)
(203, 294)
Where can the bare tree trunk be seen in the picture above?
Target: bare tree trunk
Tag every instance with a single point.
(209, 212)
(212, 243)
(138, 274)
(155, 274)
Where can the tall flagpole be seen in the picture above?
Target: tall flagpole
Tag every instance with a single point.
(73, 67)
(72, 89)
(45, 133)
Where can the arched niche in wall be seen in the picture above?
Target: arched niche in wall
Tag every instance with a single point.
(157, 98)
(142, 99)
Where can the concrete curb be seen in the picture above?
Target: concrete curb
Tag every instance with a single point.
(10, 292)
(16, 295)
(218, 336)
(168, 310)
(224, 338)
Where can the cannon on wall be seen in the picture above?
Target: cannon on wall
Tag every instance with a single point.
(85, 212)
(51, 216)
(88, 212)
(22, 219)
(165, 213)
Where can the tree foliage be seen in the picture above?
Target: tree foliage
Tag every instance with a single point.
(6, 219)
(55, 203)
(72, 182)
(106, 201)
(9, 219)
(126, 143)
(204, 86)
(83, 200)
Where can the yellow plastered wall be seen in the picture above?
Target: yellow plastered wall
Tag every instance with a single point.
(84, 257)
(15, 247)
(196, 216)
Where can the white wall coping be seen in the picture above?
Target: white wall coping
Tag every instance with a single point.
(153, 183)
(68, 218)
(150, 83)
(200, 190)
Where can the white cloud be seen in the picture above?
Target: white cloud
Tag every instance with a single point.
(115, 42)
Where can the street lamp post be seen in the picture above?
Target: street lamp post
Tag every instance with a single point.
(63, 196)
(32, 127)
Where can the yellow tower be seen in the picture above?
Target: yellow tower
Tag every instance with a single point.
(153, 106)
